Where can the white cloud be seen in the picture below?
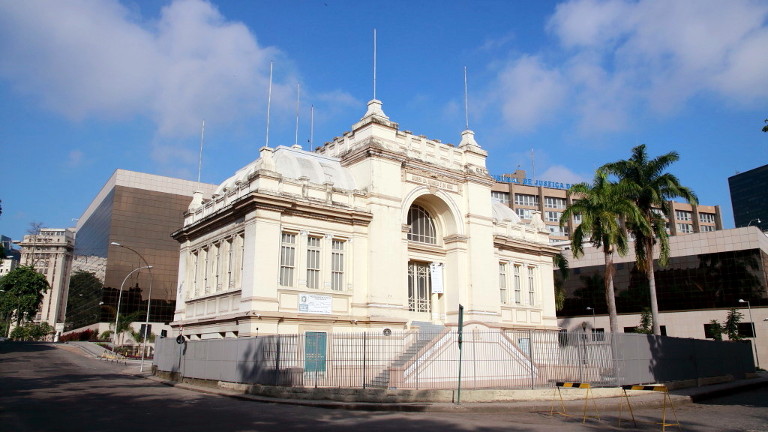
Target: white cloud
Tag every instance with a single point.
(562, 174)
(620, 58)
(75, 159)
(529, 92)
(85, 59)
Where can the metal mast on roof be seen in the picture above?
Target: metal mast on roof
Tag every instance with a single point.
(466, 103)
(200, 158)
(298, 98)
(269, 101)
(374, 63)
(311, 127)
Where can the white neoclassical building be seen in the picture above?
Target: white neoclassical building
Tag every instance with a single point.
(378, 229)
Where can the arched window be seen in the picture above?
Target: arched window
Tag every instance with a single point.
(422, 227)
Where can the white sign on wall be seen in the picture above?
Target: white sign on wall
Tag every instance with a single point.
(436, 273)
(315, 304)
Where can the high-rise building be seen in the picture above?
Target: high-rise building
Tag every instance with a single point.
(749, 198)
(127, 226)
(526, 196)
(49, 251)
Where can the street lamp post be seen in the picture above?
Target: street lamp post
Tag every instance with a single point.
(149, 302)
(593, 317)
(750, 224)
(119, 298)
(754, 336)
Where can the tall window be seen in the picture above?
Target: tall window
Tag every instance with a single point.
(503, 282)
(337, 265)
(230, 263)
(313, 262)
(517, 285)
(206, 285)
(531, 286)
(419, 287)
(682, 215)
(553, 216)
(707, 217)
(287, 259)
(685, 228)
(196, 270)
(216, 267)
(422, 227)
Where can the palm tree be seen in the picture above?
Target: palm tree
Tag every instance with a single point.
(650, 187)
(602, 205)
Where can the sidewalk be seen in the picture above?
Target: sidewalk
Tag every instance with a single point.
(540, 400)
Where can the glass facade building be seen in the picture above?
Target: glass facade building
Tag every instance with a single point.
(138, 211)
(749, 198)
(705, 271)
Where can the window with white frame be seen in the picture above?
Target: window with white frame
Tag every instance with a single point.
(503, 282)
(553, 202)
(707, 217)
(313, 262)
(523, 213)
(502, 197)
(518, 286)
(577, 218)
(287, 258)
(552, 216)
(206, 286)
(557, 231)
(337, 265)
(682, 215)
(230, 283)
(707, 228)
(195, 273)
(422, 227)
(531, 286)
(685, 228)
(526, 200)
(216, 266)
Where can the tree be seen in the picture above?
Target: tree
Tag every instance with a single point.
(646, 183)
(602, 205)
(765, 128)
(732, 321)
(21, 292)
(124, 322)
(646, 322)
(716, 329)
(561, 262)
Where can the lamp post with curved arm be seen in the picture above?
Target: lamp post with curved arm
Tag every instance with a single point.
(119, 298)
(149, 302)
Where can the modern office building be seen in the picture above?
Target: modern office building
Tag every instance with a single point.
(49, 251)
(11, 256)
(379, 229)
(708, 274)
(749, 198)
(128, 225)
(550, 198)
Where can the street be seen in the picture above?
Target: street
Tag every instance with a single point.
(54, 388)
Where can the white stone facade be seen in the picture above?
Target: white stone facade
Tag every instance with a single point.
(377, 229)
(50, 253)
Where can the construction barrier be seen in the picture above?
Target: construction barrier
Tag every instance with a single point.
(667, 400)
(587, 397)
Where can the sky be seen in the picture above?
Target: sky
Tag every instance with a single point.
(555, 88)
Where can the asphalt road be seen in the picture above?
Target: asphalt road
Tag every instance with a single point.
(54, 388)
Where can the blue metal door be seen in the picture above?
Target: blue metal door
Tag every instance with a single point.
(314, 351)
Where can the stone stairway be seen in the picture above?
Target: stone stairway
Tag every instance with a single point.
(427, 333)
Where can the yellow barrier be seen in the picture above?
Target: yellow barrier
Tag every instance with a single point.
(657, 388)
(575, 385)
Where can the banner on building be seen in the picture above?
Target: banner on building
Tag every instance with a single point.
(436, 273)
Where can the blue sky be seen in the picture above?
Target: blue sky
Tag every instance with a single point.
(89, 87)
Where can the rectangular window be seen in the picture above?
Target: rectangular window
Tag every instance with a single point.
(707, 228)
(526, 200)
(685, 228)
(707, 217)
(556, 203)
(216, 267)
(503, 282)
(313, 262)
(337, 265)
(206, 286)
(230, 263)
(502, 197)
(419, 287)
(552, 216)
(682, 215)
(531, 286)
(287, 259)
(518, 287)
(523, 213)
(557, 231)
(577, 218)
(196, 272)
